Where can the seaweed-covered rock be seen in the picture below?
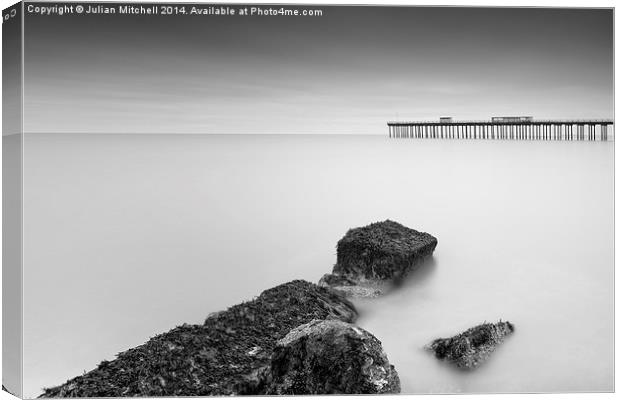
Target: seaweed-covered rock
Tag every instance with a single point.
(469, 349)
(381, 252)
(331, 357)
(227, 355)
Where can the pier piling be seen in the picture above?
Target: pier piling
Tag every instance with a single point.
(553, 130)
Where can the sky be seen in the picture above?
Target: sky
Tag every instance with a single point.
(348, 71)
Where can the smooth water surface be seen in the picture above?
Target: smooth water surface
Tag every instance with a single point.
(127, 236)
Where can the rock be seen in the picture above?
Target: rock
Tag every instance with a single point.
(376, 254)
(351, 288)
(336, 280)
(469, 349)
(358, 291)
(331, 357)
(383, 251)
(229, 354)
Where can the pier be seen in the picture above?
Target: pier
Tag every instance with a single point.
(505, 128)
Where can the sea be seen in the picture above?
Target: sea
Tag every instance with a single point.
(130, 235)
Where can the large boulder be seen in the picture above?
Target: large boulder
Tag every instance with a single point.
(331, 357)
(224, 356)
(469, 349)
(373, 255)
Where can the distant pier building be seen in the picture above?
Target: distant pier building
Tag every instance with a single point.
(512, 119)
(505, 128)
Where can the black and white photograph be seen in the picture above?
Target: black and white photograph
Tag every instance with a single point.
(228, 199)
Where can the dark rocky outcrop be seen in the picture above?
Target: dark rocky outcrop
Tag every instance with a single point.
(295, 338)
(371, 256)
(331, 357)
(469, 349)
(229, 354)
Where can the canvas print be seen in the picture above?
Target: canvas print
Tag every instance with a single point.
(215, 199)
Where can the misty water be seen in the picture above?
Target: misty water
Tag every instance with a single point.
(128, 236)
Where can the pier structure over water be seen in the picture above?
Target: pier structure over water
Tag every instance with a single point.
(505, 128)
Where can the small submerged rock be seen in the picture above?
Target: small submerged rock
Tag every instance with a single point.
(469, 349)
(351, 288)
(331, 357)
(362, 290)
(371, 256)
